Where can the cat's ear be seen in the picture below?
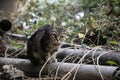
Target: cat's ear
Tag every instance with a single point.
(67, 29)
(53, 26)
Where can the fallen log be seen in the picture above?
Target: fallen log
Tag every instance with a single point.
(67, 70)
(92, 56)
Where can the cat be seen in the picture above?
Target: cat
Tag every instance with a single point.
(44, 43)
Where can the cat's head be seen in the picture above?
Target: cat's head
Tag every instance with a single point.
(57, 34)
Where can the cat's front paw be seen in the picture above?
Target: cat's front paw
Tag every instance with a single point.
(54, 60)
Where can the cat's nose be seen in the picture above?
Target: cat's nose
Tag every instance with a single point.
(58, 42)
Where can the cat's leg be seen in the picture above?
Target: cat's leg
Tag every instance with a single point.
(47, 58)
(33, 60)
(37, 58)
(53, 57)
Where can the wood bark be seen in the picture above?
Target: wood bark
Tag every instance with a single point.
(79, 71)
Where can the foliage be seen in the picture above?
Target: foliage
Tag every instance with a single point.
(102, 18)
(97, 21)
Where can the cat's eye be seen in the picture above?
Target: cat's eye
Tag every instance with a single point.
(53, 36)
(62, 36)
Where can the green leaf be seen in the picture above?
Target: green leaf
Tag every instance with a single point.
(111, 63)
(13, 42)
(105, 37)
(80, 35)
(114, 42)
(117, 10)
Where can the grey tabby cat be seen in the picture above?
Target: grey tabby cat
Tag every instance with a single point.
(44, 43)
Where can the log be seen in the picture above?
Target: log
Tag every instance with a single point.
(17, 36)
(76, 71)
(96, 56)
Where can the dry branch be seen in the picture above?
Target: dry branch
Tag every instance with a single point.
(80, 71)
